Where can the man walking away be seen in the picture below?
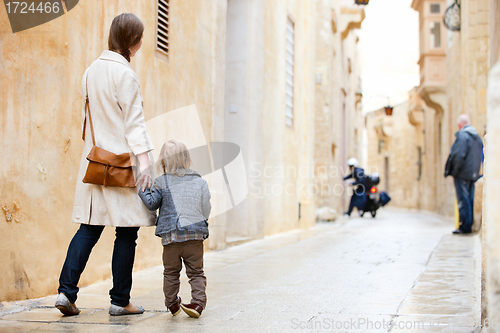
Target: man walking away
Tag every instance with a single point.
(463, 164)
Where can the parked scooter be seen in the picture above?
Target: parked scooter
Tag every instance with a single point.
(374, 198)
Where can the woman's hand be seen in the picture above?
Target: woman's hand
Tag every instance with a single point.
(145, 179)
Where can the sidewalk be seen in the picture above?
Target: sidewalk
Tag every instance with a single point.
(353, 275)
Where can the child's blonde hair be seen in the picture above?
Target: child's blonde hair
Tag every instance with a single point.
(174, 158)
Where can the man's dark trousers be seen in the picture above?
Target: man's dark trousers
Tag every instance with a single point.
(465, 197)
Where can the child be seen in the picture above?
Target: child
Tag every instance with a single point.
(183, 198)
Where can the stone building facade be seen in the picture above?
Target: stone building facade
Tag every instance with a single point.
(453, 80)
(462, 90)
(434, 121)
(491, 219)
(408, 147)
(466, 81)
(269, 112)
(250, 69)
(394, 152)
(338, 117)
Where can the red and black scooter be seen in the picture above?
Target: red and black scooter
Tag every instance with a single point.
(374, 198)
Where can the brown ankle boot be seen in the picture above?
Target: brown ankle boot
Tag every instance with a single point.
(175, 309)
(192, 310)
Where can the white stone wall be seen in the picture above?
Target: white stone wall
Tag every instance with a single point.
(255, 114)
(491, 193)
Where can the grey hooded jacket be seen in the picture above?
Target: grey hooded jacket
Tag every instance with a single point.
(466, 155)
(184, 204)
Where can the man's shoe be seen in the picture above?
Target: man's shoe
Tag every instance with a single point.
(192, 310)
(65, 306)
(176, 308)
(460, 232)
(116, 310)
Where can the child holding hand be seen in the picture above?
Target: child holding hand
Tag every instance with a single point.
(183, 200)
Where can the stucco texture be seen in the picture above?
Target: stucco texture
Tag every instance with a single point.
(41, 132)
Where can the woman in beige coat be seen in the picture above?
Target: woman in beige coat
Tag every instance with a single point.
(115, 103)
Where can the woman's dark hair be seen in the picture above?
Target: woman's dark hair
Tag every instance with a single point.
(126, 31)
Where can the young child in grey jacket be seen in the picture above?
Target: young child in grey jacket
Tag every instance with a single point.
(183, 200)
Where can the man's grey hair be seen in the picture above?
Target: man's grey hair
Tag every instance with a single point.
(463, 120)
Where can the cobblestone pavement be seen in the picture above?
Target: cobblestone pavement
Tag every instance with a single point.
(352, 275)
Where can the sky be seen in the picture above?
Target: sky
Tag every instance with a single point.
(389, 53)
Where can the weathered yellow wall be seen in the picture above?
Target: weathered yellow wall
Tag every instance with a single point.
(40, 109)
(468, 63)
(474, 60)
(495, 32)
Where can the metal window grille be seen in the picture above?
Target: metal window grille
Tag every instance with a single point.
(162, 26)
(289, 72)
(435, 8)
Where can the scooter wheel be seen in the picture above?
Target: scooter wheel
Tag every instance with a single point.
(374, 213)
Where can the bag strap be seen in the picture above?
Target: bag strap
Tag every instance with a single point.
(87, 107)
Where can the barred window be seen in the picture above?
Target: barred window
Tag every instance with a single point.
(289, 72)
(162, 26)
(435, 8)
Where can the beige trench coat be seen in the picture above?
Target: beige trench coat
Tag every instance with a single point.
(115, 102)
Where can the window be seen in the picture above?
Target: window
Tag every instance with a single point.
(289, 72)
(162, 26)
(419, 163)
(435, 35)
(435, 8)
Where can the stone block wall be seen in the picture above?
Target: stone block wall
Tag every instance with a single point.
(339, 121)
(491, 219)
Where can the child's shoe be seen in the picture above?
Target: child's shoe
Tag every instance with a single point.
(175, 309)
(192, 310)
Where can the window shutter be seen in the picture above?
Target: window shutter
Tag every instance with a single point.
(162, 26)
(289, 72)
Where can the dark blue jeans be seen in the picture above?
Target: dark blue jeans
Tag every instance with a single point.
(122, 263)
(465, 197)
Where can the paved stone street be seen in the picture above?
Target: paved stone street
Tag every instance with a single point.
(352, 275)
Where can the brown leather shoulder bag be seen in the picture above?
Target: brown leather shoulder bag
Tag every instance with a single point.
(106, 168)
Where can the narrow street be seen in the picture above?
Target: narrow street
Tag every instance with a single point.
(352, 275)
